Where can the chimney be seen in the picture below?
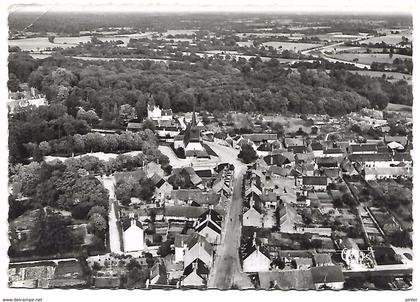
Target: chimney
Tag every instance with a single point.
(194, 265)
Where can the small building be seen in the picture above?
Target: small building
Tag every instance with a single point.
(317, 183)
(255, 257)
(133, 234)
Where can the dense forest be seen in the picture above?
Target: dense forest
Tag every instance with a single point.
(84, 93)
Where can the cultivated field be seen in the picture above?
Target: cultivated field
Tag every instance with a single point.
(369, 58)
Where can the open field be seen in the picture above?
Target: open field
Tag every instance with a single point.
(391, 39)
(398, 107)
(369, 58)
(390, 76)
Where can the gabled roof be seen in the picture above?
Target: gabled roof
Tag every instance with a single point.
(291, 141)
(297, 149)
(159, 269)
(406, 156)
(210, 224)
(322, 259)
(127, 222)
(327, 161)
(252, 245)
(327, 274)
(203, 244)
(157, 180)
(212, 215)
(202, 268)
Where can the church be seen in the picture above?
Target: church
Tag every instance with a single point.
(191, 141)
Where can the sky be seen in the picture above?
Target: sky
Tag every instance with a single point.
(273, 6)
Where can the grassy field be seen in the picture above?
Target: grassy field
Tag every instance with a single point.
(398, 107)
(391, 39)
(390, 76)
(369, 58)
(283, 45)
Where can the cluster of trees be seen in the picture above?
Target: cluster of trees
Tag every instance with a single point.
(65, 186)
(247, 154)
(94, 142)
(142, 189)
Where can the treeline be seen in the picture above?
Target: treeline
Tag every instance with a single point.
(214, 84)
(93, 142)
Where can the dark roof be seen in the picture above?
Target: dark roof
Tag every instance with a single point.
(202, 268)
(159, 269)
(196, 238)
(327, 274)
(214, 216)
(265, 147)
(250, 246)
(364, 148)
(406, 156)
(126, 223)
(316, 146)
(209, 224)
(333, 151)
(297, 149)
(277, 159)
(157, 180)
(370, 157)
(198, 196)
(204, 173)
(314, 180)
(327, 161)
(184, 211)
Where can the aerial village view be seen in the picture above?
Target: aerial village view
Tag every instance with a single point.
(237, 151)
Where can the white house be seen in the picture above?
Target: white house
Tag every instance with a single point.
(255, 257)
(198, 247)
(133, 234)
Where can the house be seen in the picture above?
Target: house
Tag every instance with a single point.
(253, 217)
(197, 247)
(163, 189)
(332, 174)
(258, 138)
(183, 213)
(317, 183)
(327, 162)
(333, 152)
(255, 258)
(209, 226)
(133, 127)
(297, 149)
(317, 149)
(195, 197)
(196, 274)
(328, 277)
(363, 148)
(133, 234)
(291, 141)
(288, 218)
(156, 114)
(180, 244)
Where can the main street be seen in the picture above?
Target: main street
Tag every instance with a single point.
(227, 271)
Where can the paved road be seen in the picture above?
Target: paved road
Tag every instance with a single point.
(227, 270)
(114, 234)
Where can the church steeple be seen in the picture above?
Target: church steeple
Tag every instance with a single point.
(193, 119)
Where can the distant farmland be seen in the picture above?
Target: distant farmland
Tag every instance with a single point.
(369, 58)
